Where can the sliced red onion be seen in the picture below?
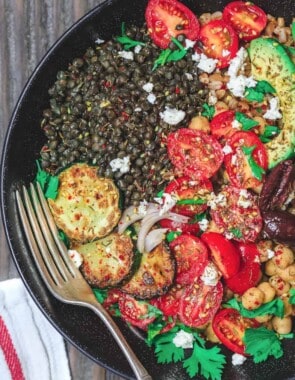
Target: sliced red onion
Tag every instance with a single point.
(154, 238)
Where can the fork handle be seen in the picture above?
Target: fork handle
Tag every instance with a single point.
(138, 369)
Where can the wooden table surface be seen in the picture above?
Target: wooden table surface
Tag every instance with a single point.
(27, 30)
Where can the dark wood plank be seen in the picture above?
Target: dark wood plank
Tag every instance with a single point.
(27, 30)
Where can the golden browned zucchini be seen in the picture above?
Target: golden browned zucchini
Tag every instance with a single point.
(154, 275)
(87, 206)
(106, 261)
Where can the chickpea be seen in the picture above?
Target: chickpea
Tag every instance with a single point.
(270, 268)
(252, 298)
(282, 325)
(210, 334)
(287, 274)
(265, 250)
(279, 284)
(220, 107)
(263, 318)
(284, 256)
(262, 123)
(268, 290)
(200, 123)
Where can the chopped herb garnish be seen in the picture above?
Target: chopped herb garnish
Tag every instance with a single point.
(262, 343)
(191, 202)
(172, 235)
(208, 362)
(208, 111)
(236, 232)
(256, 94)
(169, 55)
(292, 296)
(274, 307)
(49, 184)
(100, 294)
(63, 237)
(152, 311)
(247, 122)
(256, 169)
(127, 42)
(293, 30)
(269, 132)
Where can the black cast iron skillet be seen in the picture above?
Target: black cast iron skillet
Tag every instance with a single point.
(23, 142)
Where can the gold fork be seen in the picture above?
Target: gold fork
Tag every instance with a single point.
(58, 271)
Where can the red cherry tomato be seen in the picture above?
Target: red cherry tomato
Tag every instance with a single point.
(112, 298)
(221, 124)
(194, 153)
(247, 19)
(224, 254)
(219, 41)
(187, 228)
(249, 273)
(169, 302)
(191, 195)
(135, 312)
(191, 257)
(237, 214)
(169, 18)
(242, 168)
(229, 326)
(199, 303)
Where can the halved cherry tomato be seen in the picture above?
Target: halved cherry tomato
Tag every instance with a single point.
(247, 19)
(249, 273)
(194, 153)
(135, 312)
(237, 163)
(224, 254)
(229, 326)
(219, 41)
(191, 256)
(191, 195)
(191, 227)
(221, 124)
(169, 18)
(199, 303)
(112, 298)
(237, 214)
(169, 302)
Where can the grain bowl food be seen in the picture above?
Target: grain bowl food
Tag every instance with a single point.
(190, 118)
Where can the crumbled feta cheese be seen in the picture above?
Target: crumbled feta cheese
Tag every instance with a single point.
(229, 235)
(212, 98)
(189, 76)
(151, 98)
(225, 53)
(189, 43)
(207, 64)
(183, 339)
(237, 62)
(137, 49)
(210, 275)
(148, 87)
(142, 208)
(137, 109)
(237, 84)
(273, 112)
(126, 55)
(99, 41)
(238, 359)
(215, 200)
(234, 159)
(203, 224)
(270, 253)
(244, 200)
(235, 124)
(76, 257)
(227, 149)
(172, 116)
(167, 201)
(121, 164)
(196, 57)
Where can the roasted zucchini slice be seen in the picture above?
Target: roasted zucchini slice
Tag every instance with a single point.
(107, 261)
(87, 206)
(154, 275)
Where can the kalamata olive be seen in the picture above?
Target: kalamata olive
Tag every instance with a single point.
(279, 225)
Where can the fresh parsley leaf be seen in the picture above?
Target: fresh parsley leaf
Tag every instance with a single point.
(162, 59)
(127, 42)
(208, 362)
(165, 349)
(208, 111)
(42, 176)
(198, 218)
(292, 296)
(169, 55)
(269, 132)
(256, 169)
(262, 343)
(256, 94)
(191, 202)
(236, 232)
(293, 30)
(247, 122)
(160, 194)
(154, 329)
(172, 235)
(275, 307)
(48, 183)
(265, 87)
(100, 294)
(63, 237)
(286, 336)
(152, 311)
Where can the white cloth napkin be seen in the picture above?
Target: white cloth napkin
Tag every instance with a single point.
(30, 348)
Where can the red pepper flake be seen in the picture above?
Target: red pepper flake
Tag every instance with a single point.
(125, 115)
(177, 90)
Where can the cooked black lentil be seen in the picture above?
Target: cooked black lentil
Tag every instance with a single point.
(99, 111)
